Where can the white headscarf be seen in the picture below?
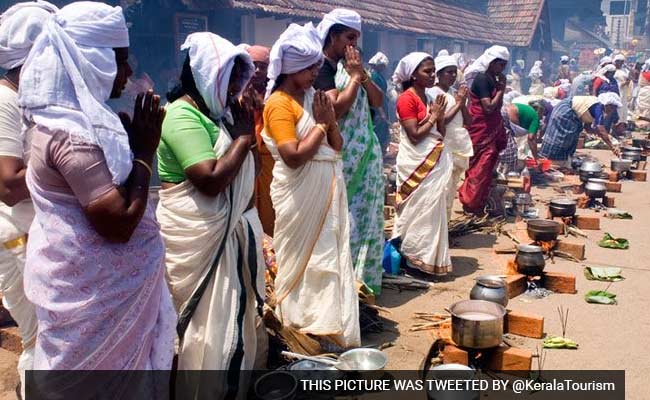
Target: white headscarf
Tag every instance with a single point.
(605, 60)
(379, 59)
(69, 75)
(211, 60)
(510, 96)
(483, 62)
(443, 52)
(297, 48)
(443, 62)
(460, 59)
(646, 65)
(610, 98)
(407, 66)
(342, 16)
(564, 58)
(19, 27)
(619, 57)
(536, 71)
(605, 69)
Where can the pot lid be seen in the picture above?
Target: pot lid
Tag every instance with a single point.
(563, 201)
(491, 281)
(529, 248)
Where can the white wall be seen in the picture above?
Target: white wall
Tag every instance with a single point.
(265, 31)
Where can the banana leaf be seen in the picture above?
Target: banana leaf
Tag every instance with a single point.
(611, 242)
(609, 274)
(600, 297)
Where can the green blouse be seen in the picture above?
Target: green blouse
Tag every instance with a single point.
(188, 137)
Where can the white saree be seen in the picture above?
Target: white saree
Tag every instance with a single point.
(423, 174)
(221, 334)
(315, 284)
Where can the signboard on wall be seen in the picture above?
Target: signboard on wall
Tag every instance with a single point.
(184, 24)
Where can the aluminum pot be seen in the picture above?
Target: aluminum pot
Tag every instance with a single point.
(477, 324)
(585, 176)
(563, 207)
(490, 288)
(591, 166)
(632, 149)
(530, 260)
(595, 190)
(620, 165)
(631, 156)
(543, 230)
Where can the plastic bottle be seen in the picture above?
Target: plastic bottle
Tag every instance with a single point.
(525, 175)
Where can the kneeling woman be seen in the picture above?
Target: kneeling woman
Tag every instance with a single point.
(315, 285)
(424, 167)
(211, 229)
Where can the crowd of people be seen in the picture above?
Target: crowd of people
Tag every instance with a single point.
(286, 142)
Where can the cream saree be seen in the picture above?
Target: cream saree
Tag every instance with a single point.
(315, 284)
(216, 242)
(423, 174)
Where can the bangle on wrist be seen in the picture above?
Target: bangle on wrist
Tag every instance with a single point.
(322, 128)
(366, 78)
(144, 164)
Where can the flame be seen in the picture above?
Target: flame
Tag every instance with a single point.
(547, 246)
(511, 268)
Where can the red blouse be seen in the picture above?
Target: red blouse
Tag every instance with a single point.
(410, 106)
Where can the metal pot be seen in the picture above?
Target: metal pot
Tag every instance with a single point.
(543, 230)
(563, 207)
(619, 165)
(276, 385)
(530, 260)
(632, 149)
(642, 143)
(585, 176)
(632, 156)
(490, 288)
(595, 190)
(477, 324)
(576, 163)
(591, 166)
(451, 372)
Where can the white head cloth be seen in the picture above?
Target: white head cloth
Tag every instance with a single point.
(610, 98)
(211, 60)
(605, 60)
(342, 16)
(69, 75)
(564, 58)
(521, 63)
(379, 59)
(510, 96)
(443, 62)
(407, 66)
(19, 27)
(565, 85)
(442, 52)
(605, 69)
(646, 65)
(536, 71)
(460, 59)
(297, 48)
(619, 57)
(483, 62)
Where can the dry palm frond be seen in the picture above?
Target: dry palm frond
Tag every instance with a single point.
(295, 340)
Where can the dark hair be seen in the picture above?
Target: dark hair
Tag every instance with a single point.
(187, 86)
(335, 29)
(278, 81)
(407, 84)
